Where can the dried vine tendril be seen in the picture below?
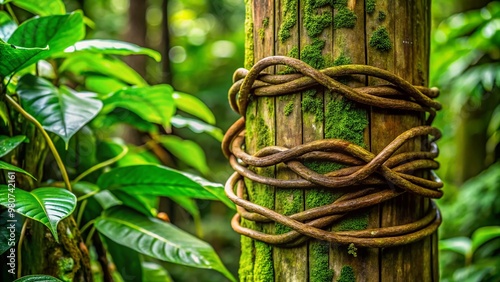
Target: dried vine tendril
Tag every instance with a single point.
(366, 175)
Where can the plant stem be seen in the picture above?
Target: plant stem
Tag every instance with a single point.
(53, 149)
(86, 226)
(80, 212)
(101, 165)
(19, 248)
(12, 14)
(86, 196)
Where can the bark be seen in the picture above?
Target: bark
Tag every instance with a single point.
(287, 121)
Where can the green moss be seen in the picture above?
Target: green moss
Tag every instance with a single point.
(381, 16)
(352, 250)
(380, 40)
(265, 22)
(263, 270)
(246, 259)
(370, 6)
(347, 274)
(293, 53)
(313, 105)
(65, 268)
(290, 204)
(311, 54)
(357, 221)
(289, 108)
(289, 19)
(344, 120)
(344, 18)
(339, 4)
(262, 30)
(342, 59)
(263, 137)
(249, 45)
(318, 262)
(323, 167)
(314, 22)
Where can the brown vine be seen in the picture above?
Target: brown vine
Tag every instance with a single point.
(364, 169)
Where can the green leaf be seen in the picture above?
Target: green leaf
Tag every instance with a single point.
(120, 116)
(483, 235)
(158, 239)
(188, 204)
(103, 85)
(84, 63)
(461, 245)
(15, 58)
(8, 144)
(136, 202)
(61, 111)
(153, 104)
(126, 260)
(153, 272)
(197, 126)
(2, 2)
(7, 26)
(7, 166)
(42, 8)
(10, 223)
(159, 180)
(112, 47)
(37, 278)
(56, 32)
(46, 205)
(216, 189)
(193, 106)
(187, 151)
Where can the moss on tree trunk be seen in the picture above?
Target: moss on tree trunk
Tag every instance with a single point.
(393, 35)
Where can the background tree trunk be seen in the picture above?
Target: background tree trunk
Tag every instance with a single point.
(303, 30)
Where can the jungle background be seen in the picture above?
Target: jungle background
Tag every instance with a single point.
(202, 43)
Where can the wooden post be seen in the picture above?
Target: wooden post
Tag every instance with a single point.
(390, 34)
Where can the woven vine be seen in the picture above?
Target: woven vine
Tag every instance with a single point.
(366, 175)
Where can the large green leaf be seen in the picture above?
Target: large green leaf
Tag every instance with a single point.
(8, 144)
(159, 180)
(154, 104)
(112, 47)
(137, 202)
(56, 32)
(7, 26)
(194, 106)
(47, 205)
(42, 8)
(61, 111)
(483, 235)
(187, 151)
(37, 278)
(197, 126)
(158, 239)
(85, 64)
(7, 166)
(120, 116)
(15, 58)
(10, 228)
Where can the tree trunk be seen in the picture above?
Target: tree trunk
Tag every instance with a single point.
(67, 260)
(307, 30)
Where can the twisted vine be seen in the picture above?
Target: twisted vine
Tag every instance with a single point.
(365, 176)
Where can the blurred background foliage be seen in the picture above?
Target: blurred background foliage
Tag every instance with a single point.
(202, 44)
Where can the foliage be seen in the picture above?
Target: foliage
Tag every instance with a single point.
(477, 253)
(77, 93)
(464, 65)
